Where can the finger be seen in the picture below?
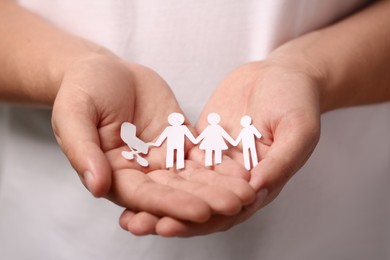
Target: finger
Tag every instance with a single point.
(169, 227)
(240, 187)
(139, 224)
(220, 200)
(76, 133)
(136, 191)
(125, 217)
(225, 195)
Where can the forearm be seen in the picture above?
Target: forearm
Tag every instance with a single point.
(34, 55)
(350, 59)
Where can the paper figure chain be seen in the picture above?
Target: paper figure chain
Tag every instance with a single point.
(212, 141)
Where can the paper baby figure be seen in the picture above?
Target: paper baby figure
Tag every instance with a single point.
(212, 139)
(175, 136)
(136, 145)
(247, 137)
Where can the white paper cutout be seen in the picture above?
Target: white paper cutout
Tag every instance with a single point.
(213, 140)
(175, 137)
(247, 137)
(136, 145)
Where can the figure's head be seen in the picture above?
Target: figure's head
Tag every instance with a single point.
(175, 119)
(246, 121)
(213, 118)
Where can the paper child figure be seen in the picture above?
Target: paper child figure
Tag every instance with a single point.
(247, 137)
(136, 145)
(175, 136)
(213, 140)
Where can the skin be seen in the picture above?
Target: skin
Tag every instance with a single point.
(86, 122)
(285, 95)
(91, 92)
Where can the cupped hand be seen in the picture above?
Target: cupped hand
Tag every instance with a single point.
(283, 102)
(97, 94)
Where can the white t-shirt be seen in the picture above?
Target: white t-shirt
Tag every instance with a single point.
(336, 207)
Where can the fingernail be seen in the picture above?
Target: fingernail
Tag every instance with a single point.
(88, 180)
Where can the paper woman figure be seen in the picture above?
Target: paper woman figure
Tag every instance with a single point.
(175, 136)
(213, 140)
(247, 137)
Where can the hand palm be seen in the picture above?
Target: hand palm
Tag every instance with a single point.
(284, 106)
(96, 96)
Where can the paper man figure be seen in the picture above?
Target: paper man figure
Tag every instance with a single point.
(213, 140)
(136, 145)
(247, 137)
(175, 136)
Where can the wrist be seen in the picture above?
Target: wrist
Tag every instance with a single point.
(59, 66)
(349, 71)
(34, 60)
(292, 57)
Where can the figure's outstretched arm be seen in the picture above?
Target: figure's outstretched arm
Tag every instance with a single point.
(200, 137)
(238, 140)
(228, 137)
(190, 136)
(160, 139)
(256, 132)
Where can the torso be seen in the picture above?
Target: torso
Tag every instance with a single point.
(327, 211)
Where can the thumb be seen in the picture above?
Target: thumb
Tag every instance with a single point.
(76, 132)
(289, 151)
